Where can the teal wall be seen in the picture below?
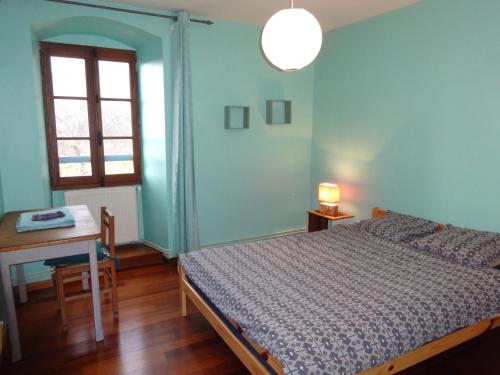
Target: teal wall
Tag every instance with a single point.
(154, 92)
(407, 113)
(2, 211)
(249, 183)
(2, 207)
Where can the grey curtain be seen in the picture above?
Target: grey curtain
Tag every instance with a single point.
(185, 220)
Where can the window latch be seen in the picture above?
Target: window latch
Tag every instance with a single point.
(99, 137)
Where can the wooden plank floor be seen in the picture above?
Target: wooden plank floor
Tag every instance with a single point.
(152, 338)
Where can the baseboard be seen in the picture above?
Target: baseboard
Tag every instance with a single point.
(35, 277)
(169, 253)
(285, 233)
(166, 252)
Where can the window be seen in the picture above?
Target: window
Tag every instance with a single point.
(91, 114)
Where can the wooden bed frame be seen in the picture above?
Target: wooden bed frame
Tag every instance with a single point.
(255, 365)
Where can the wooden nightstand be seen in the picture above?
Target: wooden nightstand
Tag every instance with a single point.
(318, 221)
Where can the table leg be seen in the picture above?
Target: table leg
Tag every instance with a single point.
(85, 281)
(11, 311)
(96, 294)
(21, 283)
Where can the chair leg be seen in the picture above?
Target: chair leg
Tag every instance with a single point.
(57, 290)
(61, 297)
(105, 278)
(114, 290)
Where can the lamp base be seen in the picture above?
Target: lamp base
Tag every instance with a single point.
(329, 208)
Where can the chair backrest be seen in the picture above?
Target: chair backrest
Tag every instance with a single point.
(108, 231)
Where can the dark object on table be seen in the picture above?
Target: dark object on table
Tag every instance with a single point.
(48, 216)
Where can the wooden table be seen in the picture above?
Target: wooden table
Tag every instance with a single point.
(18, 248)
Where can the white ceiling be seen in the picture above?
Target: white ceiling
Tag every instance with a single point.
(330, 13)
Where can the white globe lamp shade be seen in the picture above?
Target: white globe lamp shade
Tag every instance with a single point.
(291, 39)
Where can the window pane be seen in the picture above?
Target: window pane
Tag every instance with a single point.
(114, 79)
(71, 118)
(116, 119)
(74, 158)
(118, 156)
(68, 76)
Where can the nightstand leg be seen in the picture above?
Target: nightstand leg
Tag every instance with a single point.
(316, 223)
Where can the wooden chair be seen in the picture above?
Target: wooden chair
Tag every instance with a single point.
(68, 270)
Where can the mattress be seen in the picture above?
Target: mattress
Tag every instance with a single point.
(341, 301)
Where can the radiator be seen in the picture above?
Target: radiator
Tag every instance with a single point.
(121, 201)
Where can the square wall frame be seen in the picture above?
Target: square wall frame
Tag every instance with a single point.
(278, 112)
(236, 117)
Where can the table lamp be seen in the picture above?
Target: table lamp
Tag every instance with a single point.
(329, 197)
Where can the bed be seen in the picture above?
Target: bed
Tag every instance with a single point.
(337, 302)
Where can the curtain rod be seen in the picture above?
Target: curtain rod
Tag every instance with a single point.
(206, 22)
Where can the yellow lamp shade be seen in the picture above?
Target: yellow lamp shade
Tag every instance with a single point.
(328, 193)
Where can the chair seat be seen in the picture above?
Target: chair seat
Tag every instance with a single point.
(76, 259)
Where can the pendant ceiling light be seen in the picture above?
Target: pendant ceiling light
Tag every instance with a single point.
(291, 38)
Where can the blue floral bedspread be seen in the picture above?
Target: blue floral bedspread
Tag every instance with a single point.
(342, 301)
